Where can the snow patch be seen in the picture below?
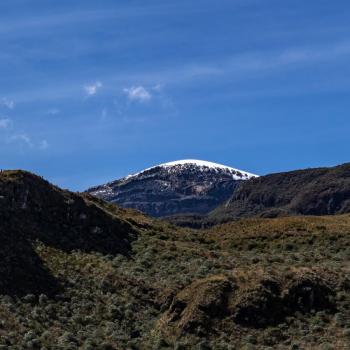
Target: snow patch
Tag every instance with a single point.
(202, 165)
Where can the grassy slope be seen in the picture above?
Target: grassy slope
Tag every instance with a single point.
(184, 289)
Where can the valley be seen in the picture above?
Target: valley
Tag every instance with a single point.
(253, 283)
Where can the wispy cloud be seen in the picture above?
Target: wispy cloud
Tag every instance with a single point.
(104, 114)
(5, 102)
(25, 141)
(138, 94)
(55, 20)
(63, 19)
(53, 111)
(5, 123)
(22, 139)
(157, 87)
(92, 89)
(251, 64)
(43, 145)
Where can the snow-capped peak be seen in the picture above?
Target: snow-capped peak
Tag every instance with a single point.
(183, 186)
(202, 164)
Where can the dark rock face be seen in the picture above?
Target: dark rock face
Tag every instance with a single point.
(176, 189)
(322, 191)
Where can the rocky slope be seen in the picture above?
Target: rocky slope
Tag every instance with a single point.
(187, 186)
(322, 191)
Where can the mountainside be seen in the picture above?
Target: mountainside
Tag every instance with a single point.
(187, 186)
(32, 209)
(322, 191)
(79, 273)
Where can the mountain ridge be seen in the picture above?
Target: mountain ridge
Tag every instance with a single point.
(201, 163)
(185, 186)
(315, 191)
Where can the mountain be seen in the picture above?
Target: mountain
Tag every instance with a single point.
(80, 273)
(320, 191)
(185, 186)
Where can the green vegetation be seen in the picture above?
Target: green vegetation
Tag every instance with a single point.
(320, 191)
(251, 284)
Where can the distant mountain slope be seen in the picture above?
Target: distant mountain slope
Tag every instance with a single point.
(185, 186)
(322, 191)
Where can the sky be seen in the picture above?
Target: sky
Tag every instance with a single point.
(91, 91)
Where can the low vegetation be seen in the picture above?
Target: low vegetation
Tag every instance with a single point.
(278, 283)
(320, 191)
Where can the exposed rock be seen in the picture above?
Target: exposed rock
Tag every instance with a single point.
(187, 186)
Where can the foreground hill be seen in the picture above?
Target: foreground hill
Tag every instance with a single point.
(186, 186)
(79, 273)
(322, 191)
(31, 209)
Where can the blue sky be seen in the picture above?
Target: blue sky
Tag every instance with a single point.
(94, 90)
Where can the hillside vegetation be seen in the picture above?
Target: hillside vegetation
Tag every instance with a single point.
(322, 191)
(79, 273)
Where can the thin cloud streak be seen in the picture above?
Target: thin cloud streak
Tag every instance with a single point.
(10, 104)
(5, 123)
(11, 135)
(264, 63)
(53, 111)
(22, 139)
(25, 142)
(243, 66)
(78, 17)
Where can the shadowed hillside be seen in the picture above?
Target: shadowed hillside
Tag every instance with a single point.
(323, 191)
(32, 210)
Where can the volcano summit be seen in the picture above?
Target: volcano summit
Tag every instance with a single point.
(181, 187)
